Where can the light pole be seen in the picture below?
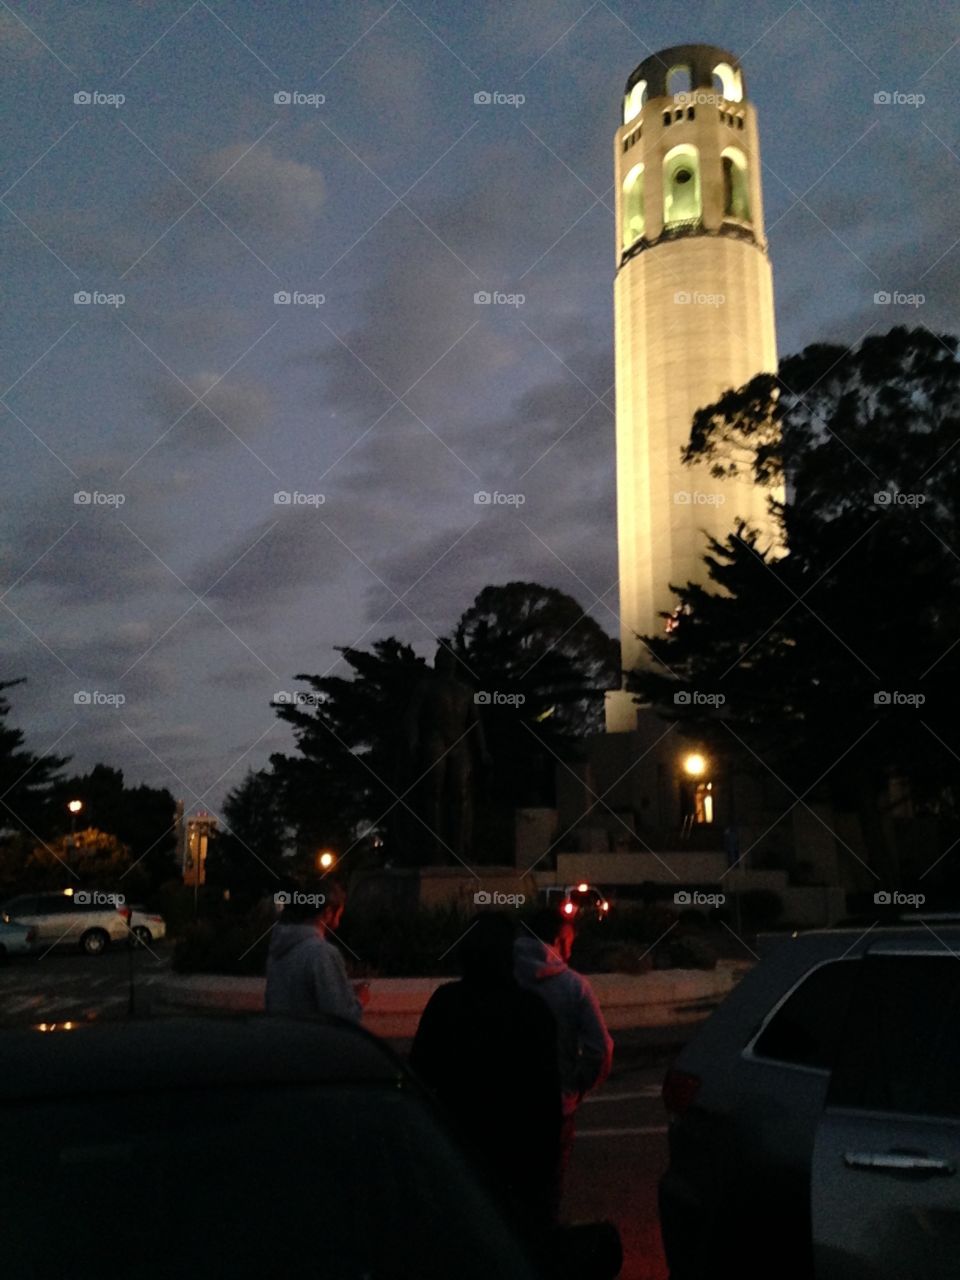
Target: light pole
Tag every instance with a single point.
(74, 807)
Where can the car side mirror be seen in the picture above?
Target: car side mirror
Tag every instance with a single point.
(587, 1251)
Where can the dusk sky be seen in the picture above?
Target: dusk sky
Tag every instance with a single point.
(397, 397)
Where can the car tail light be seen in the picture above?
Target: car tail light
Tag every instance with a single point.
(568, 908)
(680, 1089)
(126, 913)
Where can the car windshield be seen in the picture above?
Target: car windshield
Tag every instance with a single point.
(341, 1183)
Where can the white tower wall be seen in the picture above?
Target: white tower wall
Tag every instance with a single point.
(693, 317)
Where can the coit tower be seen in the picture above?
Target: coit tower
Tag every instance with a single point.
(693, 316)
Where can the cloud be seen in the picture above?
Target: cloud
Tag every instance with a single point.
(236, 404)
(252, 188)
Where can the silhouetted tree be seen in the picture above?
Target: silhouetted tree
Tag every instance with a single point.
(824, 647)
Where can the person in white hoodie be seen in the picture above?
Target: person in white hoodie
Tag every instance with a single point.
(584, 1044)
(306, 975)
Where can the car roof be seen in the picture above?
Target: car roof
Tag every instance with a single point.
(191, 1053)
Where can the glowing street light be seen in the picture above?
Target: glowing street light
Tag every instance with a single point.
(75, 806)
(694, 765)
(326, 860)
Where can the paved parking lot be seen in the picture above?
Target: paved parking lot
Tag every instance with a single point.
(620, 1149)
(618, 1156)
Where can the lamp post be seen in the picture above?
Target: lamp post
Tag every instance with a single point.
(74, 807)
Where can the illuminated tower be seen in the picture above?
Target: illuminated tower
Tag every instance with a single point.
(693, 316)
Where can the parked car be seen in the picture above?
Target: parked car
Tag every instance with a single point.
(88, 919)
(885, 1193)
(146, 926)
(575, 900)
(248, 1146)
(744, 1099)
(16, 939)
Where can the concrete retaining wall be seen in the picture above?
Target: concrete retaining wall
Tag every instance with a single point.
(661, 998)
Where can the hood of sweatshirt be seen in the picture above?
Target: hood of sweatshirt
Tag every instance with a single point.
(287, 937)
(534, 961)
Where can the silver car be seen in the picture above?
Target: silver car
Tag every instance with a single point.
(885, 1185)
(84, 918)
(744, 1099)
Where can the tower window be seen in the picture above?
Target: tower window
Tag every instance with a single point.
(690, 113)
(633, 103)
(739, 122)
(678, 80)
(667, 117)
(728, 81)
(681, 185)
(633, 211)
(678, 114)
(736, 189)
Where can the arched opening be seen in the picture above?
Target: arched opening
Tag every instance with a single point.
(728, 81)
(678, 80)
(633, 217)
(633, 102)
(681, 185)
(736, 189)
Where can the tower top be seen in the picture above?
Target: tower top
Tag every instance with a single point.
(687, 67)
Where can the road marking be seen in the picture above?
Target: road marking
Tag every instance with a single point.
(648, 1091)
(620, 1133)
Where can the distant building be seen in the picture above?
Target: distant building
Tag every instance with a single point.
(193, 836)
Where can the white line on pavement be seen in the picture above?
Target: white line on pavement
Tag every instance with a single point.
(618, 1133)
(649, 1091)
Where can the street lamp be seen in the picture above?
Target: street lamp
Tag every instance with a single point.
(326, 860)
(74, 807)
(694, 765)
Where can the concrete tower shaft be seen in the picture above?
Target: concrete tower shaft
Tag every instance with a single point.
(693, 311)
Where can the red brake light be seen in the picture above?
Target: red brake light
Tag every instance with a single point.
(680, 1089)
(568, 908)
(126, 913)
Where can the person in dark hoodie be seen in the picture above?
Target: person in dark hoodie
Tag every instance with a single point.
(488, 1052)
(584, 1045)
(306, 975)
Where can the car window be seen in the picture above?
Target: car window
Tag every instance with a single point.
(901, 1050)
(340, 1182)
(24, 906)
(805, 1030)
(56, 904)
